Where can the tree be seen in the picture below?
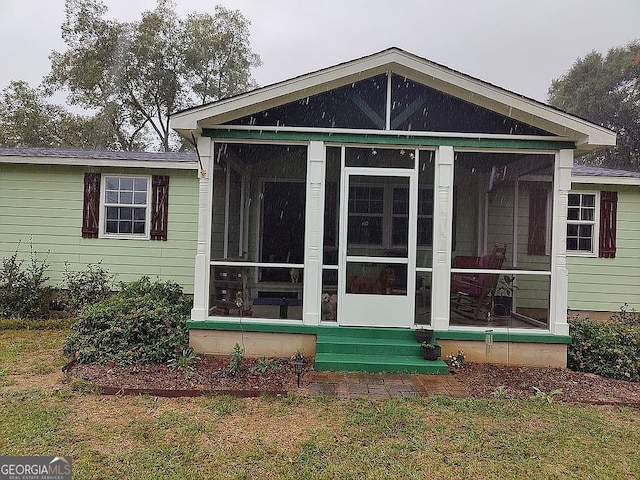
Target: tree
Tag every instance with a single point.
(27, 120)
(220, 69)
(606, 91)
(136, 74)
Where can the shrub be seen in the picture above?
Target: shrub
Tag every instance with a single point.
(235, 363)
(264, 365)
(183, 360)
(23, 289)
(143, 323)
(610, 349)
(86, 288)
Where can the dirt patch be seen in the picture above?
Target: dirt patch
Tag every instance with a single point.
(35, 381)
(210, 374)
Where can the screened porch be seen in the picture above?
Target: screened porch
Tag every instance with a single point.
(377, 234)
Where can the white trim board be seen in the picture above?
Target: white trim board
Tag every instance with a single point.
(94, 162)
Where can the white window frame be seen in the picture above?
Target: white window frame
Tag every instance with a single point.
(418, 217)
(387, 216)
(385, 240)
(595, 231)
(102, 233)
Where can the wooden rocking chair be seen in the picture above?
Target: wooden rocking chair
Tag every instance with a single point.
(472, 293)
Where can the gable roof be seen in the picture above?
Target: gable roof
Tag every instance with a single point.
(585, 135)
(53, 156)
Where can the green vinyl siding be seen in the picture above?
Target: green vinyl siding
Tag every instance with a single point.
(42, 205)
(605, 284)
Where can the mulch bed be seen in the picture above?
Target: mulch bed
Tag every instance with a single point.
(493, 381)
(210, 375)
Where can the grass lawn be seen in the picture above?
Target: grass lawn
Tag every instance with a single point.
(223, 437)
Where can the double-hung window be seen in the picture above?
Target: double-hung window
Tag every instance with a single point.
(582, 223)
(125, 209)
(400, 217)
(366, 214)
(379, 215)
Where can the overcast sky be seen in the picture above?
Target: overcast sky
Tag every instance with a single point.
(518, 45)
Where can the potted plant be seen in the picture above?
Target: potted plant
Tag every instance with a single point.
(424, 335)
(503, 297)
(430, 351)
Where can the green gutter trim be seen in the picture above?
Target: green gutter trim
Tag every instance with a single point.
(236, 326)
(407, 139)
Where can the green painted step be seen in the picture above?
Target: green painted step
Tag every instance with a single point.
(373, 350)
(379, 364)
(364, 346)
(364, 332)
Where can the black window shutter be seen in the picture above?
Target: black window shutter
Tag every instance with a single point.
(608, 218)
(91, 205)
(537, 222)
(159, 207)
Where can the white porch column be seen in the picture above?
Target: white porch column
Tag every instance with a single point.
(313, 233)
(559, 274)
(201, 278)
(442, 232)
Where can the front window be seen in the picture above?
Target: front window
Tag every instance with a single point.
(126, 206)
(582, 223)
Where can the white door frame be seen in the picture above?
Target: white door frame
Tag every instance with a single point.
(377, 310)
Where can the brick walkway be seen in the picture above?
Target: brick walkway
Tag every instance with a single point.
(379, 386)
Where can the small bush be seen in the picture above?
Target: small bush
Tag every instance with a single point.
(23, 289)
(183, 360)
(610, 349)
(143, 323)
(86, 288)
(235, 363)
(264, 365)
(543, 396)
